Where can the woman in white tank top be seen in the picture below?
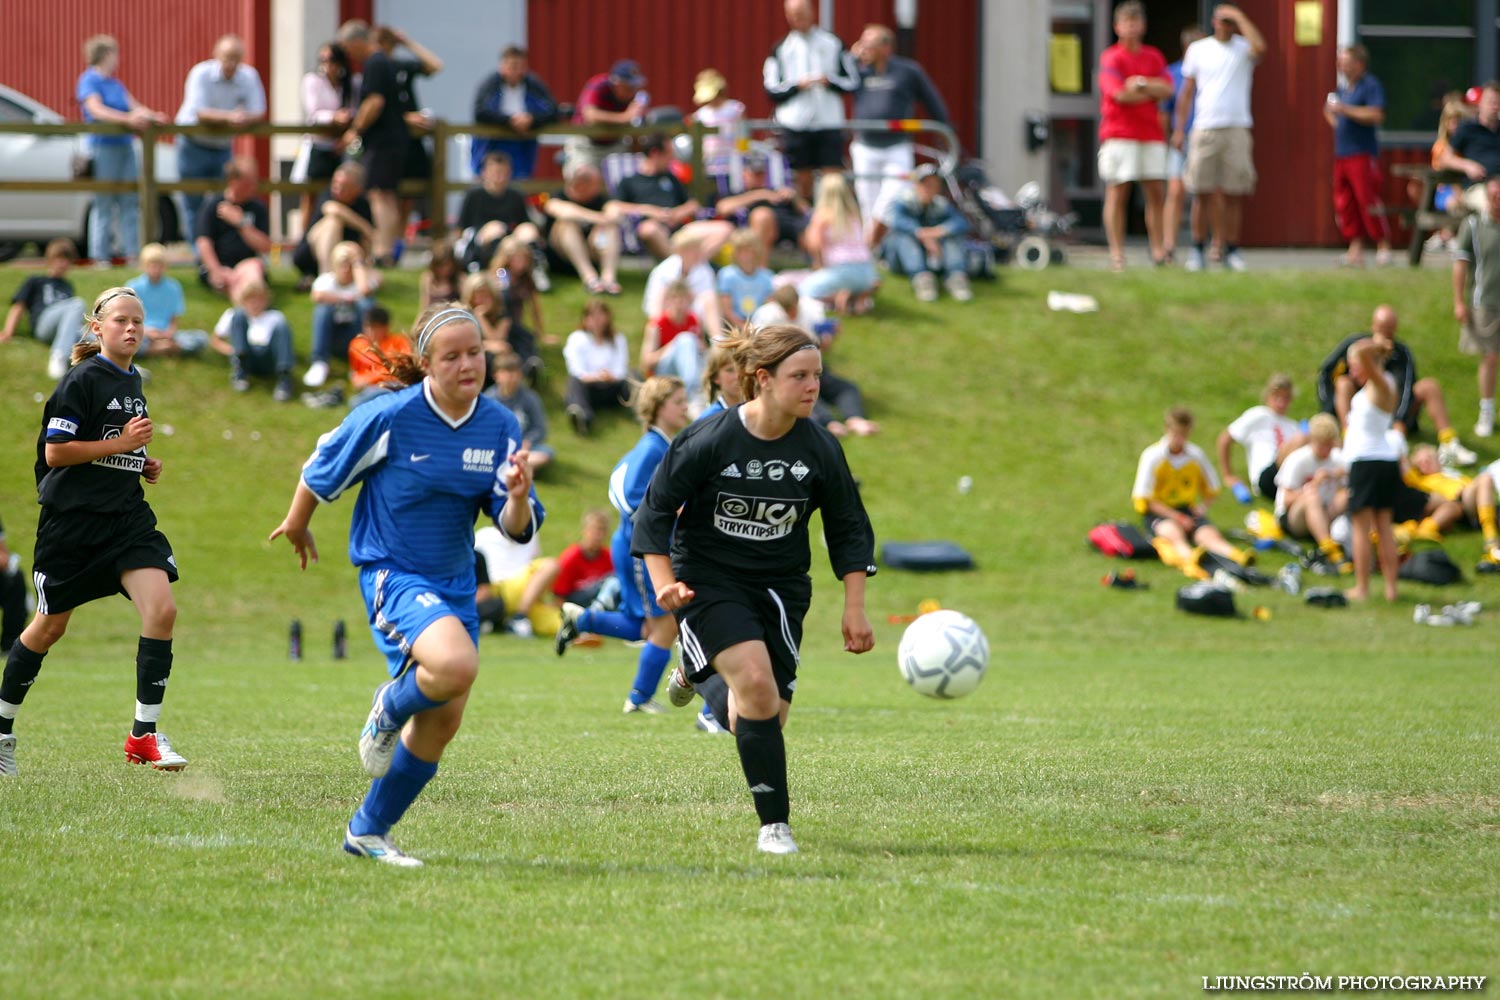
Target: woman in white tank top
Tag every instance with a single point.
(1374, 467)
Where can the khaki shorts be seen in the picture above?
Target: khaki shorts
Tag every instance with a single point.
(1220, 159)
(1124, 160)
(1481, 334)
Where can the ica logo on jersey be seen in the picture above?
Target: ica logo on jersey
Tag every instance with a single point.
(479, 459)
(758, 519)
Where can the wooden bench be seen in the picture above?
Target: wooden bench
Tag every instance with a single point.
(1424, 218)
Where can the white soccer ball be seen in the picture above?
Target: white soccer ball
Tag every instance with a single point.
(943, 654)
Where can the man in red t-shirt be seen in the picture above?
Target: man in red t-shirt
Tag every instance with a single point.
(1132, 145)
(614, 98)
(585, 564)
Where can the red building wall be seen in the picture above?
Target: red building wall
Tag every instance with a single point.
(41, 44)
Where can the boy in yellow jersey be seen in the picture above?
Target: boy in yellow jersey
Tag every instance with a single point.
(1472, 500)
(1174, 483)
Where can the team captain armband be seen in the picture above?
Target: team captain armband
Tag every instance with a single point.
(58, 426)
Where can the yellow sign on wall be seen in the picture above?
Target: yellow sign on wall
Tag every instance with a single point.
(1066, 63)
(1307, 22)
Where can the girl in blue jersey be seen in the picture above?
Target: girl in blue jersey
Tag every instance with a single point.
(661, 404)
(431, 457)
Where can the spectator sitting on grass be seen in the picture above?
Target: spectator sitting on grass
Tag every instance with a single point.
(260, 339)
(745, 283)
(1267, 434)
(492, 211)
(162, 299)
(514, 579)
(1466, 500)
(926, 235)
(584, 567)
(481, 296)
(55, 310)
(776, 215)
(673, 342)
(658, 205)
(845, 275)
(341, 214)
(233, 231)
(511, 392)
(688, 263)
(1174, 484)
(440, 278)
(1310, 490)
(367, 374)
(582, 229)
(598, 360)
(340, 297)
(518, 293)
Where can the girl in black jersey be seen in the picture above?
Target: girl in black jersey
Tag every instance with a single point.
(746, 481)
(96, 536)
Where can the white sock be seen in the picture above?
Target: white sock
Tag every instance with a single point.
(1487, 407)
(147, 713)
(7, 710)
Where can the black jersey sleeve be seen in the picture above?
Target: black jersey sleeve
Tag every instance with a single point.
(846, 526)
(1402, 365)
(1333, 366)
(688, 463)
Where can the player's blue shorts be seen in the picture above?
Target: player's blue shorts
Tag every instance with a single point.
(637, 596)
(402, 605)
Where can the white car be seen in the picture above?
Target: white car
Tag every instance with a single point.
(39, 216)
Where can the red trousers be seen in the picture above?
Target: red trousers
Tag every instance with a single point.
(1356, 192)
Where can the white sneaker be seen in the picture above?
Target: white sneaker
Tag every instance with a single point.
(776, 838)
(154, 749)
(649, 708)
(1195, 261)
(679, 688)
(567, 628)
(379, 847)
(1485, 425)
(520, 627)
(1234, 262)
(925, 287)
(541, 279)
(7, 756)
(958, 287)
(317, 374)
(57, 367)
(377, 743)
(1453, 453)
(709, 724)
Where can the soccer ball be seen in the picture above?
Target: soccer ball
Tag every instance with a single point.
(943, 654)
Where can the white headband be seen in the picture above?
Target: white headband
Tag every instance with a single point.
(439, 321)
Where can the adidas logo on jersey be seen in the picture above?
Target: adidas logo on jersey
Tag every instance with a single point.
(731, 472)
(114, 404)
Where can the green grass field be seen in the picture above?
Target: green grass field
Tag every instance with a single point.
(1134, 799)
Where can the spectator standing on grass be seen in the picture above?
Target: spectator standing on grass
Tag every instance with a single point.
(1217, 72)
(104, 98)
(341, 214)
(1474, 147)
(1355, 112)
(162, 299)
(380, 129)
(613, 98)
(1132, 146)
(233, 231)
(1476, 297)
(220, 91)
(1177, 158)
(55, 310)
(517, 98)
(327, 99)
(926, 236)
(806, 76)
(890, 88)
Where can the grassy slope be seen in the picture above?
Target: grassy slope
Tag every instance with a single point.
(1133, 799)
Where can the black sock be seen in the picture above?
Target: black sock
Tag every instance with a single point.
(21, 668)
(153, 664)
(763, 759)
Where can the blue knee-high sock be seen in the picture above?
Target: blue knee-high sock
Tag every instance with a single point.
(404, 699)
(389, 797)
(648, 672)
(614, 623)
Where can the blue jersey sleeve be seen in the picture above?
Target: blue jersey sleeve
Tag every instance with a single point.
(628, 481)
(351, 451)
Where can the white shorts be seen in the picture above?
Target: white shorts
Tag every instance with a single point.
(1124, 160)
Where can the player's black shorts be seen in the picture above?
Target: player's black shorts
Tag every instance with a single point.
(1152, 520)
(1410, 504)
(418, 163)
(813, 150)
(384, 162)
(1375, 484)
(1267, 481)
(724, 613)
(80, 555)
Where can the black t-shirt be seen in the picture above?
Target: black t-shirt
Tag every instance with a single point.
(595, 204)
(359, 206)
(407, 71)
(229, 245)
(746, 504)
(479, 207)
(93, 402)
(380, 78)
(1399, 363)
(40, 291)
(662, 190)
(1473, 141)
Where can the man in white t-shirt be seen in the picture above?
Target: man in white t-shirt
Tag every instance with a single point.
(1216, 77)
(1267, 434)
(1311, 491)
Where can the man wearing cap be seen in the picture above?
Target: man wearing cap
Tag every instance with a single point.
(926, 235)
(890, 88)
(613, 98)
(806, 76)
(516, 97)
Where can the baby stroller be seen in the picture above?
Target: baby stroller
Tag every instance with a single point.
(1022, 230)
